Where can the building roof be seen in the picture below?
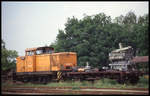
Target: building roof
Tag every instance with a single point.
(140, 59)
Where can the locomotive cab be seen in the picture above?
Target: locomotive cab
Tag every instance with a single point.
(33, 55)
(39, 50)
(44, 59)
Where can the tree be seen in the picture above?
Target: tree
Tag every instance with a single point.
(143, 19)
(130, 18)
(119, 20)
(8, 58)
(94, 37)
(135, 32)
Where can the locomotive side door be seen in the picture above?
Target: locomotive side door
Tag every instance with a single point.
(54, 63)
(29, 63)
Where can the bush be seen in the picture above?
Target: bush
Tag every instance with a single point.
(143, 80)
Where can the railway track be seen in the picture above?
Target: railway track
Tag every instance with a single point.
(71, 90)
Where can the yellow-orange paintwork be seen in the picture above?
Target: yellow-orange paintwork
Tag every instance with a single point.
(60, 61)
(20, 65)
(42, 62)
(47, 62)
(29, 63)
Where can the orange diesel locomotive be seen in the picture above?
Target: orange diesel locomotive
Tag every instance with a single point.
(43, 64)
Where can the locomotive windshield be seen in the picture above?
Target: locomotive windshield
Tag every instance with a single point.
(39, 50)
(44, 50)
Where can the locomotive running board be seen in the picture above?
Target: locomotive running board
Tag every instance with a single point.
(35, 73)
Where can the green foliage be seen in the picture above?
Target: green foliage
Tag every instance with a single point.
(8, 58)
(93, 37)
(143, 80)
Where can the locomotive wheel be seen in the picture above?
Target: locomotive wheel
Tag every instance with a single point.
(133, 78)
(43, 80)
(25, 80)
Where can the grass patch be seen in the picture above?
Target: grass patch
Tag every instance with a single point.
(75, 88)
(105, 83)
(86, 84)
(109, 83)
(102, 83)
(65, 84)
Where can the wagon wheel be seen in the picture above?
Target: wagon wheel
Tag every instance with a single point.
(121, 81)
(134, 80)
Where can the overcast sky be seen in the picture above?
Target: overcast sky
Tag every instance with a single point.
(35, 24)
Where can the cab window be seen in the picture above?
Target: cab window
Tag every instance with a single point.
(44, 51)
(39, 52)
(30, 53)
(48, 51)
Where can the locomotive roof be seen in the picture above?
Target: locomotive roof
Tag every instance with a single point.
(36, 48)
(64, 53)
